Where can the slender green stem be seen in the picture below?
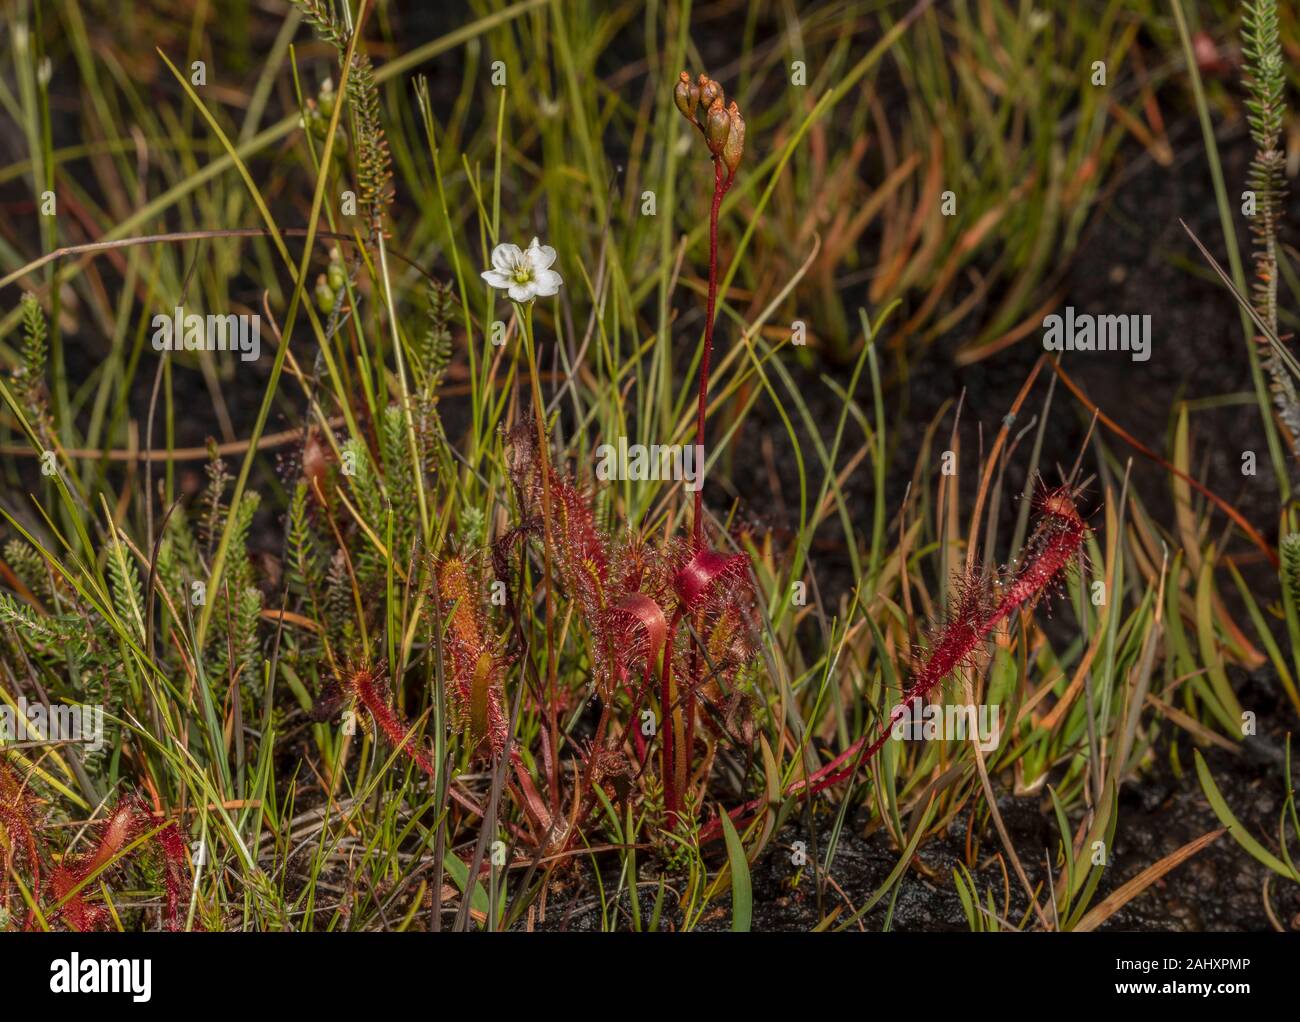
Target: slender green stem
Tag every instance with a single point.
(544, 461)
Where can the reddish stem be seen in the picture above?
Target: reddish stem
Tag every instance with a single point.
(669, 772)
(719, 190)
(688, 700)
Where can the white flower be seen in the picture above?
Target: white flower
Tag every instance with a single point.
(525, 273)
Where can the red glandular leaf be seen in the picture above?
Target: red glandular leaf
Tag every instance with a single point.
(369, 686)
(75, 912)
(581, 551)
(476, 668)
(638, 628)
(581, 554)
(1055, 545)
(176, 875)
(702, 578)
(17, 833)
(714, 590)
(131, 818)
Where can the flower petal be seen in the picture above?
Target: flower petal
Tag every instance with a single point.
(522, 292)
(541, 256)
(497, 278)
(506, 257)
(546, 282)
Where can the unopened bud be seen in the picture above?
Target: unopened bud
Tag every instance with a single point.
(717, 127)
(686, 95)
(326, 97)
(324, 294)
(734, 148)
(709, 91)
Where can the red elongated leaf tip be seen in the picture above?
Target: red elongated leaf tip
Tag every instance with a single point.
(368, 686)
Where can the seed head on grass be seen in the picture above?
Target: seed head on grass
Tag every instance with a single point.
(1265, 79)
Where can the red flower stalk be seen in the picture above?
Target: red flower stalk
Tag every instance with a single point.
(130, 819)
(476, 668)
(719, 190)
(723, 129)
(703, 104)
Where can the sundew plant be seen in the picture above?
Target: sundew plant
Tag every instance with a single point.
(648, 467)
